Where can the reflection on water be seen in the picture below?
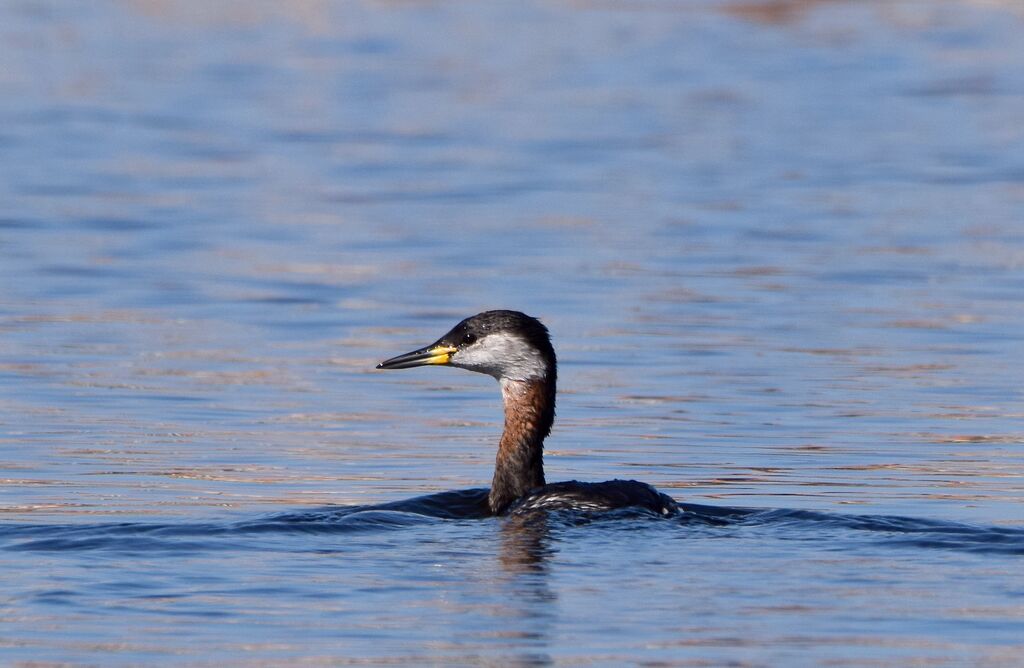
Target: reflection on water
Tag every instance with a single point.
(778, 243)
(775, 11)
(512, 587)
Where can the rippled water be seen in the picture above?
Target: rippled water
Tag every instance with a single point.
(779, 244)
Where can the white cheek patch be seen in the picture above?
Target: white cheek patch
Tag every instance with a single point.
(502, 355)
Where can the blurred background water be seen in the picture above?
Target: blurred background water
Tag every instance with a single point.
(779, 243)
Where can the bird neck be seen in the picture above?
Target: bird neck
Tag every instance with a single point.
(529, 413)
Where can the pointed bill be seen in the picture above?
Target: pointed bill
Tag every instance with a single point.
(435, 354)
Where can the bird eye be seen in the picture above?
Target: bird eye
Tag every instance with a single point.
(468, 339)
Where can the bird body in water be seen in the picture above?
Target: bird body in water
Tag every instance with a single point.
(516, 349)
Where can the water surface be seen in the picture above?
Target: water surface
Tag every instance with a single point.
(778, 243)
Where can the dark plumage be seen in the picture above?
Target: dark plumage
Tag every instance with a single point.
(516, 349)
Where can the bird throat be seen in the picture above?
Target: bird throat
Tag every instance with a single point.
(529, 413)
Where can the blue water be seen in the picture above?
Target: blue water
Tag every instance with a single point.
(779, 245)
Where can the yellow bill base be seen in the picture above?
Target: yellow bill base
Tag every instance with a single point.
(440, 355)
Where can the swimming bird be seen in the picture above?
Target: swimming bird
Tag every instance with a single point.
(516, 349)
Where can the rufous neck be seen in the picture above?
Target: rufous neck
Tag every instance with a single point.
(529, 414)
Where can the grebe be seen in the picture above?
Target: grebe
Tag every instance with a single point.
(516, 350)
